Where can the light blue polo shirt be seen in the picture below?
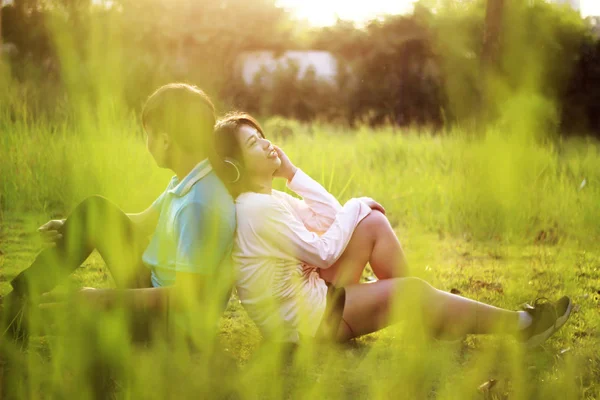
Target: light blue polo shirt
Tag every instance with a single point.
(195, 229)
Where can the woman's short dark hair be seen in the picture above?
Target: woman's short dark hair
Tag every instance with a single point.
(182, 111)
(228, 152)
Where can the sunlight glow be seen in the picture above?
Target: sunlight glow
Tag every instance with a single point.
(590, 8)
(326, 12)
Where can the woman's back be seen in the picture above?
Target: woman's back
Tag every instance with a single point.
(282, 295)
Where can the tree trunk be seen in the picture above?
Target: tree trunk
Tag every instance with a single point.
(492, 31)
(1, 4)
(491, 51)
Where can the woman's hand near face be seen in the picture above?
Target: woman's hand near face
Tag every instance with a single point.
(286, 170)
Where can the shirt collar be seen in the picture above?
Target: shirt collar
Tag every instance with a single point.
(183, 187)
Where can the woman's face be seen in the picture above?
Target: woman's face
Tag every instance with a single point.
(259, 156)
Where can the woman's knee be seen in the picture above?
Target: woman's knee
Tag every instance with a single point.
(377, 218)
(375, 223)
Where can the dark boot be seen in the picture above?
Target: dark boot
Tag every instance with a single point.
(13, 319)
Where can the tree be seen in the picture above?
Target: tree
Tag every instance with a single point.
(490, 55)
(493, 25)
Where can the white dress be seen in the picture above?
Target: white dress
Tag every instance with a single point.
(280, 243)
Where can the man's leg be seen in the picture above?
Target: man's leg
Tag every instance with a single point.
(95, 223)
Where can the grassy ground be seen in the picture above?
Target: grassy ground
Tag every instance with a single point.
(500, 218)
(384, 365)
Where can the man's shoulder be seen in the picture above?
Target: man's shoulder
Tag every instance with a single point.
(211, 192)
(208, 197)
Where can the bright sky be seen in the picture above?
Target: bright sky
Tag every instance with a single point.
(590, 7)
(325, 12)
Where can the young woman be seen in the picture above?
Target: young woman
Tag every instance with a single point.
(299, 261)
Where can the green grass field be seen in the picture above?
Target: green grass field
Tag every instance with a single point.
(500, 218)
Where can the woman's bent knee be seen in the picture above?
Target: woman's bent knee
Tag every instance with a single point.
(374, 223)
(377, 218)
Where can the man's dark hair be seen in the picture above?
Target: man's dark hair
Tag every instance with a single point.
(182, 111)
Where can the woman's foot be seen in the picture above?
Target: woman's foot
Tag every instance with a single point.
(546, 318)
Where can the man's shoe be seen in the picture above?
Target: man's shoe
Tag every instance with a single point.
(13, 321)
(546, 318)
(563, 307)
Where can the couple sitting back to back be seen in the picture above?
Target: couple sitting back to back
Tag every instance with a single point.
(296, 263)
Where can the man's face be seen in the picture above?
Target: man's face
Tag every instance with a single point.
(158, 146)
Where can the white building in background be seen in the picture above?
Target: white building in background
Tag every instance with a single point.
(323, 63)
(575, 4)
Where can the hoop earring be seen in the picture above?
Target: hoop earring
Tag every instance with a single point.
(233, 163)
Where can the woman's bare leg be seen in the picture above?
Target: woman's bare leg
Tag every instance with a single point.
(369, 308)
(374, 242)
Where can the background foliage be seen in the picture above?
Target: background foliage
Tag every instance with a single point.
(421, 69)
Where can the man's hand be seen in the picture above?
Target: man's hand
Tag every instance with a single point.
(373, 204)
(94, 297)
(106, 299)
(287, 170)
(51, 300)
(50, 231)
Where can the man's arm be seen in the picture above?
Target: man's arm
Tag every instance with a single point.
(187, 293)
(204, 235)
(146, 220)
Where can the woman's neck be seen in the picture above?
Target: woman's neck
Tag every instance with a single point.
(262, 185)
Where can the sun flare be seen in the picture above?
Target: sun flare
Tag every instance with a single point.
(320, 12)
(326, 12)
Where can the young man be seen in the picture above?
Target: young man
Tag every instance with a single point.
(191, 224)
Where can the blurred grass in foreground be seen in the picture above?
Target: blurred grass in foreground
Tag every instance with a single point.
(84, 353)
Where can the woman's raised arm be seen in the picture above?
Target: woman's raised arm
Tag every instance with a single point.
(318, 207)
(277, 226)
